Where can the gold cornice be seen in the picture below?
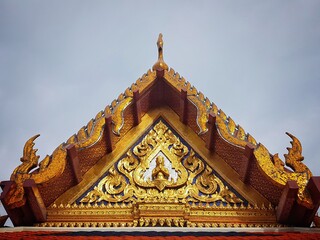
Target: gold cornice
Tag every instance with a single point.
(159, 214)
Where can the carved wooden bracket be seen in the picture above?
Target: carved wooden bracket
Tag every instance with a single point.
(33, 211)
(35, 200)
(74, 161)
(313, 187)
(287, 201)
(136, 107)
(183, 105)
(108, 132)
(247, 160)
(211, 129)
(15, 214)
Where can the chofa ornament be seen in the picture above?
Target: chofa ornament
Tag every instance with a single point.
(48, 168)
(274, 167)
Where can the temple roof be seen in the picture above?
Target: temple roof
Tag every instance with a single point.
(260, 179)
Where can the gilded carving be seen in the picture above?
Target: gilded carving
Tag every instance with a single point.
(124, 100)
(160, 167)
(294, 157)
(49, 167)
(29, 159)
(274, 168)
(117, 116)
(165, 213)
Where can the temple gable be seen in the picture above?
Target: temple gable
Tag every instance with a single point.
(162, 154)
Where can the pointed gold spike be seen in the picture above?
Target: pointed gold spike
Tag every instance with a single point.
(154, 222)
(161, 221)
(141, 222)
(176, 222)
(168, 222)
(147, 222)
(181, 222)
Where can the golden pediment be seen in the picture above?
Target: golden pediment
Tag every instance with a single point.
(165, 178)
(161, 167)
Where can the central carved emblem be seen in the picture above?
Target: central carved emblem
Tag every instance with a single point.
(160, 167)
(163, 160)
(160, 173)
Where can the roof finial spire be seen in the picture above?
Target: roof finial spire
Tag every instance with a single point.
(160, 47)
(160, 65)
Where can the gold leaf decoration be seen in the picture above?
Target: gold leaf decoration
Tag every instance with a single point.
(49, 167)
(274, 168)
(159, 167)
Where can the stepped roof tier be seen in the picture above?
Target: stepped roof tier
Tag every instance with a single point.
(162, 154)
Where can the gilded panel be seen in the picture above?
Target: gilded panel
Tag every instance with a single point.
(161, 167)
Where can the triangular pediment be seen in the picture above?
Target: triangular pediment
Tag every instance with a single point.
(161, 166)
(163, 178)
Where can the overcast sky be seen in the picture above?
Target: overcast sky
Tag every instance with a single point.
(61, 62)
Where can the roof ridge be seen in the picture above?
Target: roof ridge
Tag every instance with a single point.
(204, 107)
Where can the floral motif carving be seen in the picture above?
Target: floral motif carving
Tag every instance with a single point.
(195, 181)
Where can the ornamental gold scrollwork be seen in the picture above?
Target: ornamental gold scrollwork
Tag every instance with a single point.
(194, 181)
(124, 100)
(274, 168)
(160, 139)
